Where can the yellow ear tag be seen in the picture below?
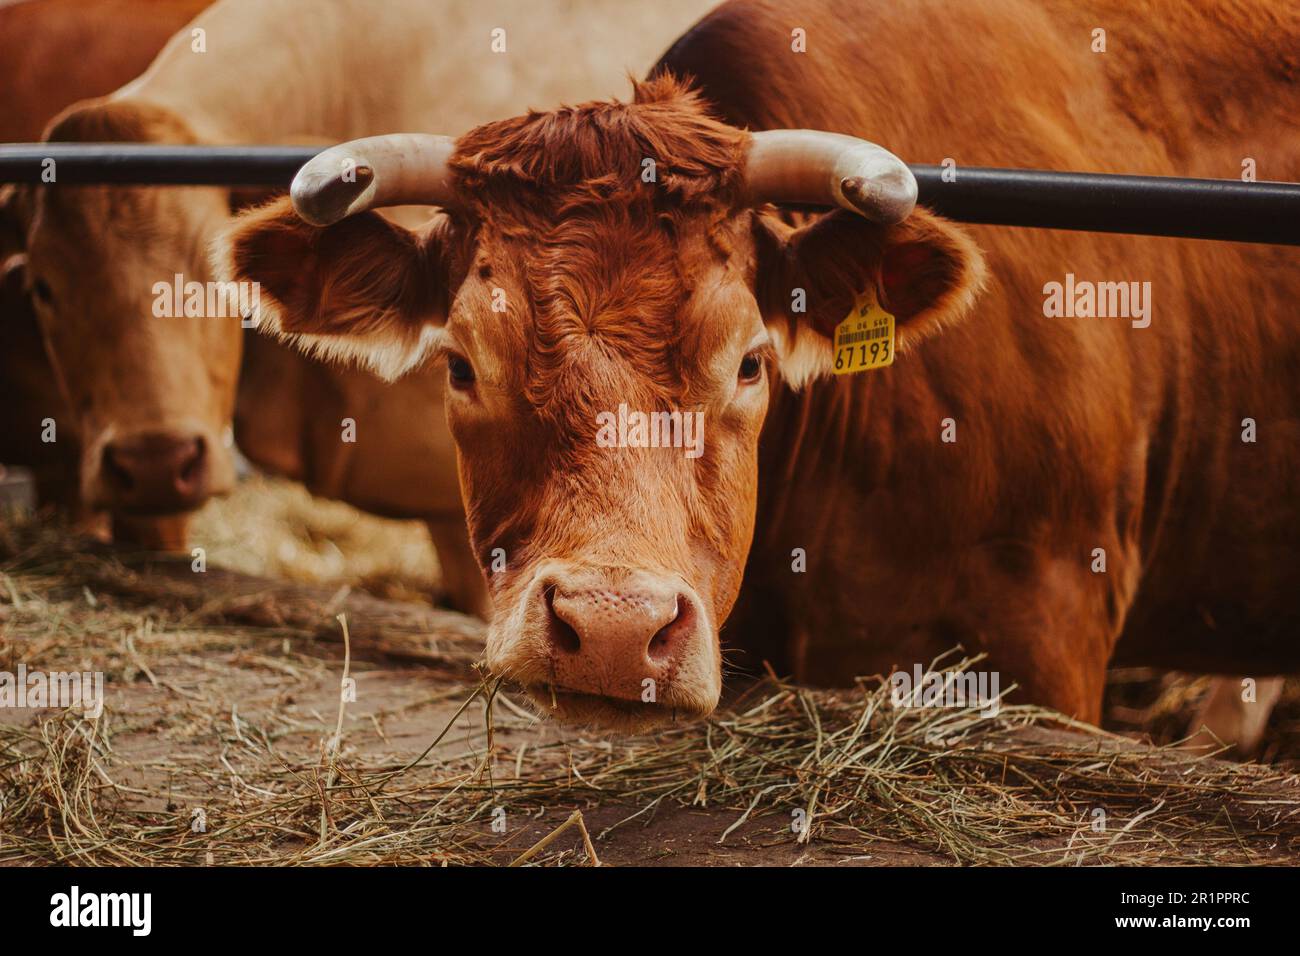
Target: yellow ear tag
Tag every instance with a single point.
(864, 340)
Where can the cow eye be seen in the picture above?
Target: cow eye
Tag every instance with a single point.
(460, 372)
(41, 292)
(751, 367)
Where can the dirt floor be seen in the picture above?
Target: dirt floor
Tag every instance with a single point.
(224, 739)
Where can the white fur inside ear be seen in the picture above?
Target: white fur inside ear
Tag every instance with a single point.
(802, 354)
(388, 356)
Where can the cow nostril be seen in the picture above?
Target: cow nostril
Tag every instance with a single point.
(192, 468)
(114, 472)
(561, 633)
(663, 646)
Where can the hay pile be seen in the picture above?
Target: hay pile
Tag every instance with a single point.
(222, 701)
(275, 529)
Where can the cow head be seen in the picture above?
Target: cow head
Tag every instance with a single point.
(151, 393)
(595, 262)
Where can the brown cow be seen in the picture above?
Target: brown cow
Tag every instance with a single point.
(154, 397)
(56, 52)
(1098, 501)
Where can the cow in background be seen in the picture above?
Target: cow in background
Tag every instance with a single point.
(55, 52)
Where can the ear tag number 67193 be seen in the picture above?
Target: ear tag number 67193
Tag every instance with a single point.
(864, 340)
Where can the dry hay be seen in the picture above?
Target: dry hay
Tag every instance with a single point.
(274, 528)
(223, 695)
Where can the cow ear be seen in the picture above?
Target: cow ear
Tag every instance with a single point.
(925, 271)
(364, 289)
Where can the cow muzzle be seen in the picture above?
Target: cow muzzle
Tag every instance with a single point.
(156, 473)
(611, 648)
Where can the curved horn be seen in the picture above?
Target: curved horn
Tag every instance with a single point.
(823, 169)
(393, 170)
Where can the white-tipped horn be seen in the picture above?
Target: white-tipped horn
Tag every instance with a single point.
(809, 167)
(397, 169)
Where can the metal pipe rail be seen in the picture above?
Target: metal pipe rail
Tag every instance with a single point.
(1266, 212)
(1226, 209)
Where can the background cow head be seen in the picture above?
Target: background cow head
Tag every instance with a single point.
(151, 397)
(564, 283)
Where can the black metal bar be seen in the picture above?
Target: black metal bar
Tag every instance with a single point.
(1266, 212)
(147, 164)
(1101, 202)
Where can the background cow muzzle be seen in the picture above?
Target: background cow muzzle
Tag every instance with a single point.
(154, 473)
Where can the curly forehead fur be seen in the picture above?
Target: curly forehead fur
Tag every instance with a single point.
(541, 166)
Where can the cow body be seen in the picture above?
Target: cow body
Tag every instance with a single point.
(56, 52)
(1072, 434)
